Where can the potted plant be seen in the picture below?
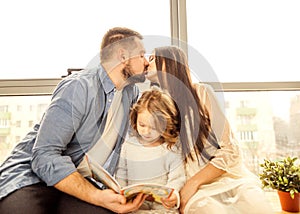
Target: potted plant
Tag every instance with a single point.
(283, 176)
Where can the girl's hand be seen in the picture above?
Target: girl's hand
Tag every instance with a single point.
(169, 202)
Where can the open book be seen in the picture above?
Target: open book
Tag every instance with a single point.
(157, 191)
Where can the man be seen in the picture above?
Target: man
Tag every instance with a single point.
(40, 176)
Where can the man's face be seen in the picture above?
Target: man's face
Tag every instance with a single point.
(135, 69)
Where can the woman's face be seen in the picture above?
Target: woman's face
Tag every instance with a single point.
(152, 70)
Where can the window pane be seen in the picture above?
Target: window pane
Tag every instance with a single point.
(42, 39)
(247, 40)
(16, 122)
(266, 124)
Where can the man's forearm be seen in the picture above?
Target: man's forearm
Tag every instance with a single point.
(79, 187)
(76, 185)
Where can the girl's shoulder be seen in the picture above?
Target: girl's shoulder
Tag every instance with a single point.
(174, 150)
(132, 140)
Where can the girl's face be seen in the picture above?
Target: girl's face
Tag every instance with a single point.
(152, 70)
(146, 129)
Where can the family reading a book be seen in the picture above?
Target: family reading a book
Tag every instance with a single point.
(173, 141)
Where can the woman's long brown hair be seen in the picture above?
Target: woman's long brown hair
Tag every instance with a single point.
(175, 77)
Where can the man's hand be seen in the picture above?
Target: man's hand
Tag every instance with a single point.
(79, 187)
(117, 203)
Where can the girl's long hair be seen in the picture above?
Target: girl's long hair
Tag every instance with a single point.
(164, 112)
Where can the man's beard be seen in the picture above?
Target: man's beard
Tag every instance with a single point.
(130, 77)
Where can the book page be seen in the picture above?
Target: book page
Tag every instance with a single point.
(157, 191)
(100, 174)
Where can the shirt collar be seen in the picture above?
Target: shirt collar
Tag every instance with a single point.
(105, 80)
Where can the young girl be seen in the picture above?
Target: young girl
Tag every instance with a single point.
(151, 153)
(217, 180)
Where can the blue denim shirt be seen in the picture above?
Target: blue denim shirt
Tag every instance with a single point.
(71, 125)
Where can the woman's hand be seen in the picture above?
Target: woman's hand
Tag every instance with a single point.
(204, 176)
(169, 202)
(187, 191)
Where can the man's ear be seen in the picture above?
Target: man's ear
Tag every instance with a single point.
(122, 55)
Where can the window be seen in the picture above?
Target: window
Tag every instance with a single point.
(247, 41)
(232, 41)
(69, 32)
(30, 123)
(14, 125)
(4, 123)
(18, 123)
(251, 42)
(19, 107)
(266, 124)
(4, 108)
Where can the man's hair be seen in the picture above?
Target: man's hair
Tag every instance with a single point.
(118, 36)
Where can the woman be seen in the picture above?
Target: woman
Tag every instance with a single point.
(217, 181)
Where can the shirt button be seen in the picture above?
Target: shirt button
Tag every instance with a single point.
(109, 100)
